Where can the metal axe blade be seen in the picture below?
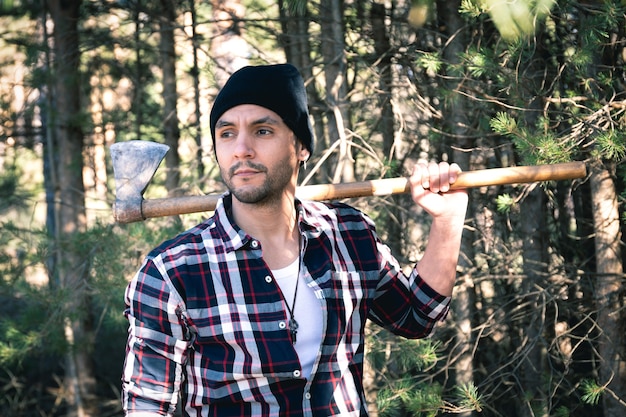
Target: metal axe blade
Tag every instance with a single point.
(134, 165)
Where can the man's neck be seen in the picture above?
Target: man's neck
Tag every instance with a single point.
(274, 225)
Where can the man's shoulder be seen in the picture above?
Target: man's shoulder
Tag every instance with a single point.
(333, 212)
(191, 239)
(325, 207)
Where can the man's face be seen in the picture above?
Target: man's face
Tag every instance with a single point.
(258, 154)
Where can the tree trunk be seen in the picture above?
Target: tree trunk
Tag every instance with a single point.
(195, 74)
(138, 87)
(228, 48)
(295, 33)
(533, 232)
(335, 73)
(609, 290)
(392, 215)
(296, 42)
(171, 131)
(383, 66)
(72, 270)
(533, 402)
(457, 124)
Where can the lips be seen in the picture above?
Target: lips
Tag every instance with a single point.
(244, 171)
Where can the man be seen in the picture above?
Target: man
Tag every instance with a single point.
(261, 309)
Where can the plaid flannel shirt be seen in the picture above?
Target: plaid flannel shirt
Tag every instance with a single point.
(207, 322)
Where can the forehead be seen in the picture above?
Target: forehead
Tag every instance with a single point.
(249, 113)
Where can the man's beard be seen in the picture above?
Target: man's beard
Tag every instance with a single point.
(269, 191)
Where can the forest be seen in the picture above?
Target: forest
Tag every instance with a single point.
(537, 324)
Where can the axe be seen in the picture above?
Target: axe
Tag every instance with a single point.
(136, 161)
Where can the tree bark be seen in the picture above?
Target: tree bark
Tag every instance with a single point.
(69, 210)
(456, 122)
(392, 217)
(533, 402)
(138, 82)
(228, 48)
(609, 290)
(171, 131)
(384, 70)
(195, 74)
(335, 73)
(296, 42)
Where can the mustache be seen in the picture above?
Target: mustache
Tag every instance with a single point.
(251, 165)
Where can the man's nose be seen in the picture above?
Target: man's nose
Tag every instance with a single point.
(243, 145)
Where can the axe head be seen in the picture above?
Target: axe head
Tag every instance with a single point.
(134, 165)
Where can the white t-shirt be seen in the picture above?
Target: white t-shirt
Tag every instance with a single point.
(307, 312)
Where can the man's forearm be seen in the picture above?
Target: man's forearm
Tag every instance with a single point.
(438, 265)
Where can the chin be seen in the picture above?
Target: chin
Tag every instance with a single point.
(250, 196)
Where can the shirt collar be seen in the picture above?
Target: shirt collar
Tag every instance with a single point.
(232, 236)
(235, 238)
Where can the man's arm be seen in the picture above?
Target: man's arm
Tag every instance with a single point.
(156, 347)
(430, 189)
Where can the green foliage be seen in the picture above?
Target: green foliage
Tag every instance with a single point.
(536, 147)
(610, 145)
(408, 354)
(471, 9)
(23, 330)
(406, 396)
(430, 61)
(480, 63)
(503, 124)
(469, 398)
(391, 168)
(399, 363)
(562, 411)
(33, 314)
(15, 343)
(12, 195)
(296, 7)
(592, 392)
(393, 358)
(20, 8)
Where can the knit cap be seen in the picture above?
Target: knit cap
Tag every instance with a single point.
(279, 88)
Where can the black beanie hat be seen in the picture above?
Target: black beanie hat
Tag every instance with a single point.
(279, 88)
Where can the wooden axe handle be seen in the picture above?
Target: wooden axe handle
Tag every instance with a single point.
(160, 207)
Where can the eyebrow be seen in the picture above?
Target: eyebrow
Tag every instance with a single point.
(263, 120)
(266, 120)
(223, 123)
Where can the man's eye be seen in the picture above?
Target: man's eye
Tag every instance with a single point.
(264, 132)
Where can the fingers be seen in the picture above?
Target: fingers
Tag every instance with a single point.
(430, 189)
(435, 177)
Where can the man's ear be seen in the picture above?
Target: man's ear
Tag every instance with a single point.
(304, 154)
(302, 151)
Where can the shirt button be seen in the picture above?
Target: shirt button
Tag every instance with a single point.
(282, 325)
(297, 373)
(268, 279)
(254, 244)
(307, 395)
